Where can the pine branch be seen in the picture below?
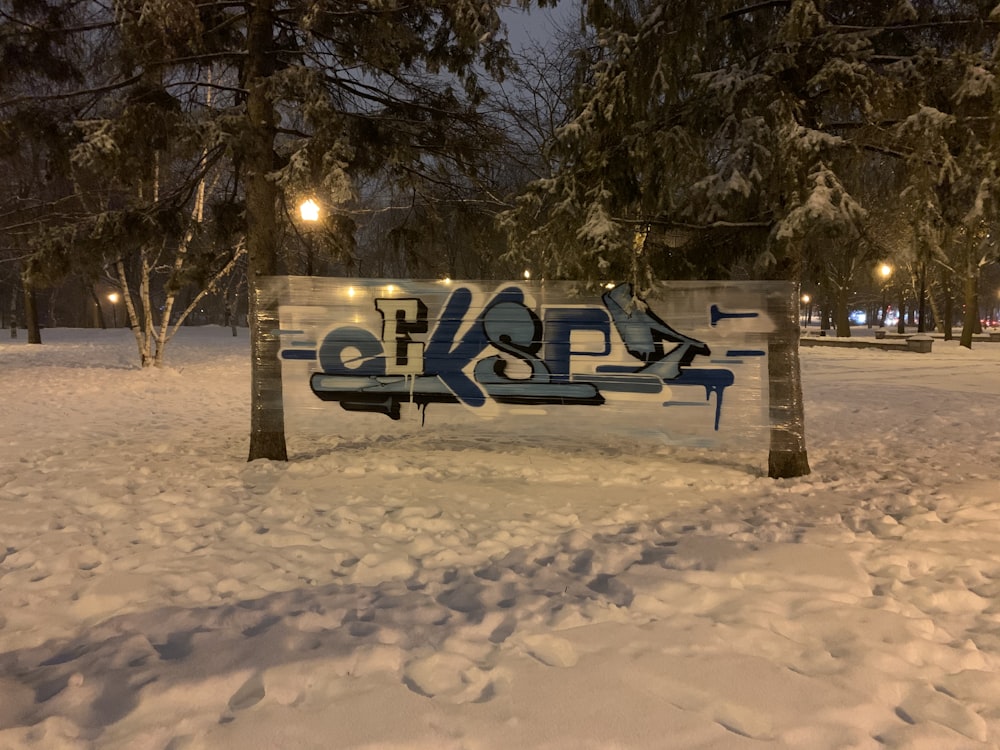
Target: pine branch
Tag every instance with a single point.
(960, 22)
(696, 227)
(754, 8)
(78, 94)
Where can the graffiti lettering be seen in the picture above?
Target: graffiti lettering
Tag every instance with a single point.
(363, 350)
(507, 351)
(560, 322)
(400, 319)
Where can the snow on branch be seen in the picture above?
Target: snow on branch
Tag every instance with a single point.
(827, 205)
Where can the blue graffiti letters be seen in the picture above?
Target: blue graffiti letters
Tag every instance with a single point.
(560, 322)
(447, 359)
(517, 331)
(503, 349)
(365, 353)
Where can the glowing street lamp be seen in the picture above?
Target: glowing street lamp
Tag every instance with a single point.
(885, 271)
(309, 210)
(113, 299)
(807, 315)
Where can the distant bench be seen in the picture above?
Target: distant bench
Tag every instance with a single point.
(920, 343)
(986, 336)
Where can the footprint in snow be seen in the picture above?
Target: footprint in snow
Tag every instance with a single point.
(247, 696)
(451, 677)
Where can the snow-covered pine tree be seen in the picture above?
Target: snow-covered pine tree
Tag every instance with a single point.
(698, 119)
(945, 123)
(31, 142)
(316, 93)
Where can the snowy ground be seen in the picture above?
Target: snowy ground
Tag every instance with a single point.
(436, 590)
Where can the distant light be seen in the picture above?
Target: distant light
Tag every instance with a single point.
(527, 274)
(885, 270)
(610, 285)
(350, 291)
(113, 298)
(309, 210)
(447, 279)
(391, 288)
(805, 299)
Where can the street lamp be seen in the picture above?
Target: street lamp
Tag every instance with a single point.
(885, 271)
(309, 213)
(309, 210)
(807, 315)
(113, 299)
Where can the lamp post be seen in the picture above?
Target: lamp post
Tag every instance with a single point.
(807, 315)
(309, 212)
(885, 271)
(113, 299)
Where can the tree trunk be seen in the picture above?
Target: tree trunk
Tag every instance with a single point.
(31, 313)
(101, 322)
(53, 310)
(97, 318)
(148, 325)
(841, 313)
(901, 324)
(932, 300)
(787, 456)
(969, 286)
(977, 323)
(166, 331)
(13, 309)
(230, 316)
(142, 340)
(267, 419)
(922, 298)
(948, 320)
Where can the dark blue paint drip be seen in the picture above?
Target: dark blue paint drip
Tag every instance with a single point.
(714, 381)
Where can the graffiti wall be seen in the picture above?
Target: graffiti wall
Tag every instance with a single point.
(687, 363)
